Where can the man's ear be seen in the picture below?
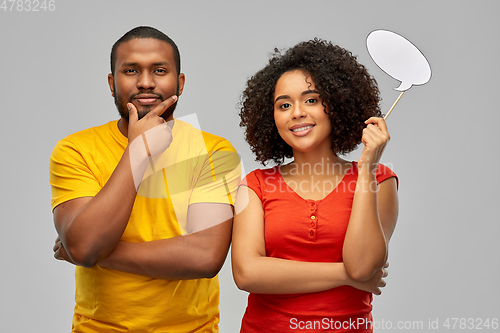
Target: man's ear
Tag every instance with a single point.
(182, 80)
(111, 85)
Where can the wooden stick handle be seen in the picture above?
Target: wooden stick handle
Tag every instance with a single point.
(393, 105)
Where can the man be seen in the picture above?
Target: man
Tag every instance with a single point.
(123, 192)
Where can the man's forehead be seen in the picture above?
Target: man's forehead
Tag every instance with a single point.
(146, 50)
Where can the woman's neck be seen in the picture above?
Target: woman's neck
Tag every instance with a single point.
(318, 163)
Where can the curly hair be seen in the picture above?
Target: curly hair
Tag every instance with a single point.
(349, 93)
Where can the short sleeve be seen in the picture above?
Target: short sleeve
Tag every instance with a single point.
(219, 177)
(252, 180)
(69, 175)
(384, 173)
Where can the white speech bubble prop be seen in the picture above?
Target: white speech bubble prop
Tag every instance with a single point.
(399, 58)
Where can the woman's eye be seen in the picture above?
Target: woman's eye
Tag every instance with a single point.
(284, 106)
(311, 100)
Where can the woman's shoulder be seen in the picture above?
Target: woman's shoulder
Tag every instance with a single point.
(384, 172)
(261, 175)
(260, 179)
(383, 169)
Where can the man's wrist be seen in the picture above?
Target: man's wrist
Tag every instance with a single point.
(139, 160)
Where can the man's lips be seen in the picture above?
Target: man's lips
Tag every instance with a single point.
(146, 99)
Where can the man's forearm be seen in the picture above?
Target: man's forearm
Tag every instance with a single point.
(194, 256)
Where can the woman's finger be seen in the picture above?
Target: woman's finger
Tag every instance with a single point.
(380, 123)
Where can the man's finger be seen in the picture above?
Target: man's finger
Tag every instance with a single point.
(56, 255)
(133, 116)
(163, 106)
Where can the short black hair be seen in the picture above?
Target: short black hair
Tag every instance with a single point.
(145, 32)
(350, 96)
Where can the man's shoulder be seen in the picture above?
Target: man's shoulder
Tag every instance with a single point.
(102, 138)
(212, 142)
(85, 134)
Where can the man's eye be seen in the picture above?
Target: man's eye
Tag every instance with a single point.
(130, 71)
(161, 71)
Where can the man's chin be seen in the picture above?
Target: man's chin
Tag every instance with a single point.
(144, 110)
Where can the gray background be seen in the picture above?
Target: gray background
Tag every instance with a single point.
(444, 253)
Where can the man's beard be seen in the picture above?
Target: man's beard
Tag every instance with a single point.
(121, 105)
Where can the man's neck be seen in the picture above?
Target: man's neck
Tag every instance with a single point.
(123, 125)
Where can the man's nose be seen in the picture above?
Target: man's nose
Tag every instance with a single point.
(146, 81)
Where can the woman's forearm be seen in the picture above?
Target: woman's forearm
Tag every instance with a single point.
(266, 275)
(365, 245)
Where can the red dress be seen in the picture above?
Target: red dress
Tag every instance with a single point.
(312, 231)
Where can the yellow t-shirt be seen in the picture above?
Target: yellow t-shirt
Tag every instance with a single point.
(198, 167)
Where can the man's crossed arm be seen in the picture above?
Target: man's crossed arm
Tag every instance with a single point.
(197, 255)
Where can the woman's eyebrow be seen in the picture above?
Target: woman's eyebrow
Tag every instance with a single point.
(281, 97)
(306, 92)
(310, 92)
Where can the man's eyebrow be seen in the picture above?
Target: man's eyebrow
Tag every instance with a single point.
(133, 64)
(163, 63)
(129, 64)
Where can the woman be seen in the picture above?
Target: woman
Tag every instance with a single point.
(310, 237)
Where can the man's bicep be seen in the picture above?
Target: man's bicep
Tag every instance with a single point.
(210, 227)
(204, 215)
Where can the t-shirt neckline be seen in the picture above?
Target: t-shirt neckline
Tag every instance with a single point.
(350, 171)
(124, 140)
